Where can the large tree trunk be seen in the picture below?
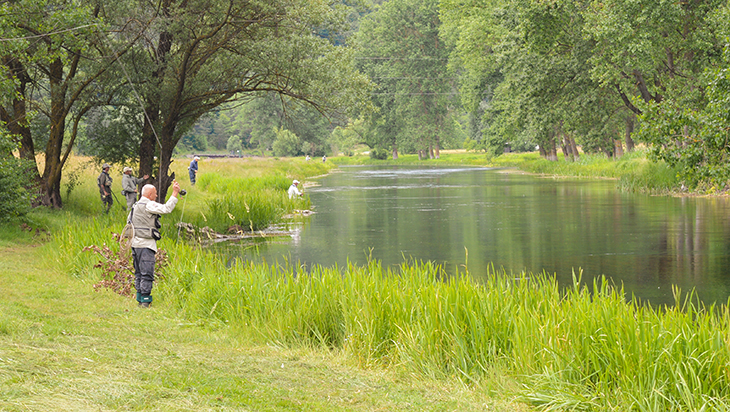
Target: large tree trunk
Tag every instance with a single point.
(629, 130)
(148, 144)
(553, 150)
(17, 120)
(51, 180)
(564, 146)
(573, 147)
(437, 149)
(618, 149)
(395, 152)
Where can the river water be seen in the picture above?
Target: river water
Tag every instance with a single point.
(514, 221)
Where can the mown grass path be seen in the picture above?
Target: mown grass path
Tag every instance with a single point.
(66, 347)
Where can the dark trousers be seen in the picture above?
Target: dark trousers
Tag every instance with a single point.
(144, 269)
(107, 202)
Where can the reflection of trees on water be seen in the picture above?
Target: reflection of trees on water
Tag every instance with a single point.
(520, 223)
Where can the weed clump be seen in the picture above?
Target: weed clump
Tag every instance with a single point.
(117, 269)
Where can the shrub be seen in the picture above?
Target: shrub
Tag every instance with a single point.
(15, 181)
(378, 154)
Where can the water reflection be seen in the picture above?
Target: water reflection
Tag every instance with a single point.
(517, 222)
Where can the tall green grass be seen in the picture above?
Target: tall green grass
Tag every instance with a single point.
(584, 348)
(581, 348)
(253, 210)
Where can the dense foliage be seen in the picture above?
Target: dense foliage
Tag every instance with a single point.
(563, 74)
(15, 182)
(131, 82)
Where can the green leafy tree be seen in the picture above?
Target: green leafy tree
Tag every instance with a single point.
(695, 142)
(346, 138)
(235, 144)
(112, 134)
(287, 143)
(199, 55)
(401, 51)
(56, 52)
(530, 76)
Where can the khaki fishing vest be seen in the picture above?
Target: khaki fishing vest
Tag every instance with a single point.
(146, 225)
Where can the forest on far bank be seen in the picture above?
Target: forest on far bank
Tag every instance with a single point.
(135, 83)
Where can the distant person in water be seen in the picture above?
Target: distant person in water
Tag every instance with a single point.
(193, 170)
(294, 189)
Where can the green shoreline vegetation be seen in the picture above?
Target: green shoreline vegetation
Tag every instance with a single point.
(241, 336)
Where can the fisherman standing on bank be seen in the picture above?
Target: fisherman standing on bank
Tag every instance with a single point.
(129, 186)
(104, 181)
(144, 217)
(193, 170)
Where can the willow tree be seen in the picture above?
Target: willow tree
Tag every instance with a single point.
(196, 55)
(526, 66)
(403, 53)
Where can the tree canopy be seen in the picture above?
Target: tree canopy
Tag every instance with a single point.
(132, 81)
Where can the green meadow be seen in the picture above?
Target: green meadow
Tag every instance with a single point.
(225, 335)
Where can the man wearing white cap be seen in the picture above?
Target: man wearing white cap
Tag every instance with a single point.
(193, 170)
(129, 186)
(294, 190)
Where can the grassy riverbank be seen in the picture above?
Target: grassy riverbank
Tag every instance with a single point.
(237, 336)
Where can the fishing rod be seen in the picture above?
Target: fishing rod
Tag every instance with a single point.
(117, 200)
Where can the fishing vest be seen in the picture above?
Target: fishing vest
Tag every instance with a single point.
(146, 225)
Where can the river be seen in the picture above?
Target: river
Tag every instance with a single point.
(516, 222)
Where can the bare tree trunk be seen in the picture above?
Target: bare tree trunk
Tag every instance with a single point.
(17, 120)
(567, 153)
(551, 149)
(395, 152)
(553, 157)
(618, 148)
(437, 149)
(573, 147)
(51, 180)
(430, 151)
(163, 180)
(629, 130)
(148, 145)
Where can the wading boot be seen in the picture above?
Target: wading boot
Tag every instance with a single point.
(144, 301)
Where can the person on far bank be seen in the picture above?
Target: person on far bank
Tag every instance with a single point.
(129, 186)
(294, 189)
(104, 181)
(144, 216)
(193, 170)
